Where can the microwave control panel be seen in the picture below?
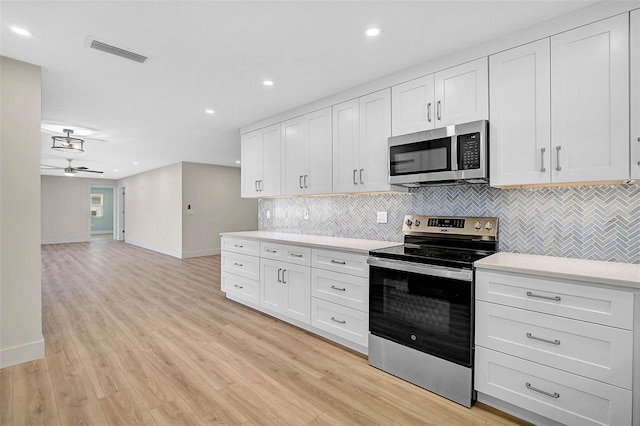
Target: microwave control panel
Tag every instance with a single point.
(469, 150)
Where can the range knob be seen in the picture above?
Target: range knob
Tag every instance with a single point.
(477, 225)
(409, 222)
(488, 225)
(416, 222)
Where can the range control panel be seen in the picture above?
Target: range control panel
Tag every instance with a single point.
(485, 227)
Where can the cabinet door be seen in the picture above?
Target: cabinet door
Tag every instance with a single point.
(346, 149)
(318, 179)
(590, 102)
(375, 129)
(412, 106)
(271, 160)
(635, 94)
(520, 115)
(297, 292)
(271, 286)
(293, 156)
(251, 163)
(462, 93)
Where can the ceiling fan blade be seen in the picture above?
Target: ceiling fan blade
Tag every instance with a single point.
(81, 168)
(50, 167)
(90, 171)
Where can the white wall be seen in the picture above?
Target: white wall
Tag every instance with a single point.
(65, 208)
(214, 195)
(20, 290)
(153, 213)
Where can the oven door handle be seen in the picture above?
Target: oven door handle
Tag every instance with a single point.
(422, 269)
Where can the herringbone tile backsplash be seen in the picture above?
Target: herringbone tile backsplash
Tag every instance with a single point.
(595, 222)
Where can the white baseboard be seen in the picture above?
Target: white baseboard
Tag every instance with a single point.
(65, 240)
(198, 253)
(101, 232)
(157, 249)
(23, 353)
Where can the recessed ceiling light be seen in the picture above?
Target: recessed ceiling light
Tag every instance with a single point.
(209, 111)
(116, 170)
(268, 83)
(237, 161)
(372, 32)
(135, 162)
(21, 31)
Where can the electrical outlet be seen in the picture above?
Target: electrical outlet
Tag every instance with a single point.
(268, 214)
(306, 214)
(381, 217)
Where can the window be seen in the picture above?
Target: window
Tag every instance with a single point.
(96, 205)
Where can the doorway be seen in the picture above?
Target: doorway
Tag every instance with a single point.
(102, 212)
(119, 234)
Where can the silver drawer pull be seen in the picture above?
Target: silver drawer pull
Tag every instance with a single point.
(237, 264)
(271, 251)
(553, 342)
(295, 255)
(338, 262)
(338, 321)
(539, 296)
(338, 288)
(239, 286)
(552, 395)
(238, 245)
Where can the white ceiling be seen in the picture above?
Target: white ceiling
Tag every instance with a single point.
(213, 54)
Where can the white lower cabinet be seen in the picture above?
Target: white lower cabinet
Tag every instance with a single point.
(560, 349)
(285, 289)
(350, 324)
(241, 287)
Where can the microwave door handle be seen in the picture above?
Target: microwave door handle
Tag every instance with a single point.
(454, 153)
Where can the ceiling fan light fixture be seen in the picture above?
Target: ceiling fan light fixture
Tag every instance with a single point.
(69, 173)
(68, 142)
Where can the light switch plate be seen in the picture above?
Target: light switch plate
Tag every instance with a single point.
(381, 217)
(268, 214)
(306, 214)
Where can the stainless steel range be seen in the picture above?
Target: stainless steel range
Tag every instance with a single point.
(421, 302)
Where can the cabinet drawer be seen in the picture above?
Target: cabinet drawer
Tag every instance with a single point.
(346, 290)
(241, 246)
(592, 350)
(286, 253)
(558, 395)
(582, 302)
(347, 263)
(240, 287)
(241, 264)
(345, 322)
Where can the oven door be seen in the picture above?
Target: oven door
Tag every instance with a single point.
(425, 307)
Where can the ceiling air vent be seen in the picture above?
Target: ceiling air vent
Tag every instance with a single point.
(103, 47)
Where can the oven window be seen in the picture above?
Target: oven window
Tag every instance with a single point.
(429, 314)
(421, 157)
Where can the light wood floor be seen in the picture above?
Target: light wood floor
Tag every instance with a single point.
(136, 337)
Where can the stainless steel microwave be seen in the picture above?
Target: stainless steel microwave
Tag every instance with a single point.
(452, 154)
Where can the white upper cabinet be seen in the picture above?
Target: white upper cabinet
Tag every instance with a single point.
(412, 106)
(635, 94)
(306, 151)
(462, 93)
(261, 158)
(361, 128)
(590, 102)
(520, 109)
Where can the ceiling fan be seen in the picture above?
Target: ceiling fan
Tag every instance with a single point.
(70, 171)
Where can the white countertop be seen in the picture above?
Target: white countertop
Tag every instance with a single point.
(593, 271)
(317, 241)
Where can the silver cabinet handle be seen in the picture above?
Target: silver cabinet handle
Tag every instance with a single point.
(300, 181)
(558, 148)
(338, 288)
(305, 181)
(283, 281)
(438, 111)
(256, 185)
(238, 286)
(429, 112)
(337, 262)
(338, 321)
(639, 160)
(552, 395)
(261, 185)
(354, 176)
(237, 264)
(553, 342)
(238, 245)
(279, 270)
(271, 251)
(361, 178)
(542, 151)
(295, 255)
(539, 296)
